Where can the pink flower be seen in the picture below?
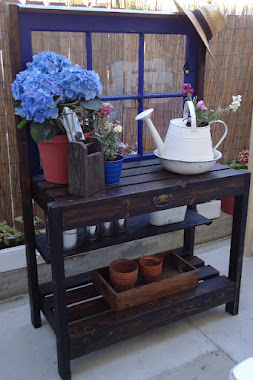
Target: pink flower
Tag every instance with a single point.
(201, 105)
(187, 89)
(105, 110)
(244, 157)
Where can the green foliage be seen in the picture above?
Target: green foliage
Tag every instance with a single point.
(111, 143)
(7, 232)
(107, 127)
(235, 164)
(22, 123)
(42, 131)
(204, 118)
(10, 234)
(92, 104)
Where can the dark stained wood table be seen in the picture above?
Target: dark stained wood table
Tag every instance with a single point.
(81, 319)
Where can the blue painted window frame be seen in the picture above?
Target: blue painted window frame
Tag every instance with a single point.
(90, 21)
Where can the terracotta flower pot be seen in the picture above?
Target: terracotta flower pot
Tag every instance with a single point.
(151, 268)
(227, 205)
(123, 274)
(54, 158)
(88, 134)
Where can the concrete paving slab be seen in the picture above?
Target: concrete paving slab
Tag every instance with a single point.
(145, 356)
(214, 365)
(233, 334)
(33, 351)
(203, 347)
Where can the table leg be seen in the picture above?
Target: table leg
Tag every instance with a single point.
(32, 272)
(59, 288)
(33, 286)
(237, 245)
(27, 207)
(189, 236)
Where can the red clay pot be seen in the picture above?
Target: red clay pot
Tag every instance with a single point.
(227, 205)
(151, 268)
(123, 274)
(54, 158)
(88, 134)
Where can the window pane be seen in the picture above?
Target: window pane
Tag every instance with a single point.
(115, 58)
(71, 45)
(164, 111)
(164, 58)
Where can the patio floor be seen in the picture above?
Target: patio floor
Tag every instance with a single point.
(203, 347)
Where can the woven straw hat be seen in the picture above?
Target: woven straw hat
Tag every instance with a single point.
(207, 20)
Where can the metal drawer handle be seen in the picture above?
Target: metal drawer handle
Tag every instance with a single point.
(162, 200)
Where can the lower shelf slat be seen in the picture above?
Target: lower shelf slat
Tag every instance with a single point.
(93, 324)
(111, 327)
(88, 310)
(76, 295)
(70, 282)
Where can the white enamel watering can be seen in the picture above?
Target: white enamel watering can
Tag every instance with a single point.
(184, 143)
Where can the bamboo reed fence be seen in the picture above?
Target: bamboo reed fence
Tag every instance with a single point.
(230, 74)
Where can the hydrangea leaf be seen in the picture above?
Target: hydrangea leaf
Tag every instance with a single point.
(92, 104)
(42, 131)
(51, 134)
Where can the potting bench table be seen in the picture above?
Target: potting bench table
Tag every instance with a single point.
(81, 319)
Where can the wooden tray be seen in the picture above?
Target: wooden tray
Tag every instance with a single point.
(177, 275)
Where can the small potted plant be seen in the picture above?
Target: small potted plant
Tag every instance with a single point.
(10, 236)
(107, 127)
(227, 204)
(205, 115)
(41, 92)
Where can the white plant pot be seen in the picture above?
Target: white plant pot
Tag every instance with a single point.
(172, 215)
(210, 210)
(72, 238)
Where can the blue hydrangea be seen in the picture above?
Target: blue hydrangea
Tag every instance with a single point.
(79, 83)
(48, 63)
(47, 77)
(37, 93)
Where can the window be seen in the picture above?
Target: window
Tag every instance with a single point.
(140, 57)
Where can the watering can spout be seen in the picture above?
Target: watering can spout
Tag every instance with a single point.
(145, 115)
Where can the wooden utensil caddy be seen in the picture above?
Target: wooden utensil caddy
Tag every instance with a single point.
(86, 166)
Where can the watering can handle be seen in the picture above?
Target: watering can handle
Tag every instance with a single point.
(225, 133)
(189, 106)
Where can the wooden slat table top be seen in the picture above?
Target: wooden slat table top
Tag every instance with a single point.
(140, 182)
